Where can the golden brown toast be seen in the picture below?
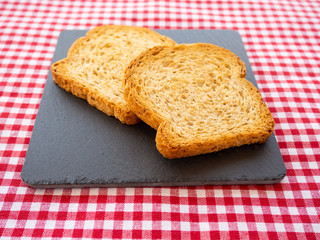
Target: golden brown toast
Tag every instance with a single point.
(95, 66)
(197, 98)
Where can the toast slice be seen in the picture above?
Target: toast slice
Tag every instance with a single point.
(197, 98)
(95, 65)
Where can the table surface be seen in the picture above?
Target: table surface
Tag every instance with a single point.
(283, 45)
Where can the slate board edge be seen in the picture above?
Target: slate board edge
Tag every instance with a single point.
(167, 184)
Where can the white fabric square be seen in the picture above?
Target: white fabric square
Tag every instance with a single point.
(88, 224)
(73, 207)
(127, 225)
(293, 210)
(130, 191)
(69, 224)
(110, 207)
(8, 175)
(275, 210)
(184, 208)
(202, 209)
(261, 227)
(165, 208)
(11, 223)
(279, 227)
(288, 194)
(35, 206)
(316, 227)
(313, 165)
(242, 226)
(147, 225)
(223, 226)
(221, 209)
(54, 207)
(306, 194)
(165, 192)
(298, 227)
(166, 225)
(148, 191)
(257, 209)
(239, 209)
(147, 207)
(185, 226)
(91, 207)
(128, 207)
(31, 224)
(16, 206)
(112, 191)
(204, 226)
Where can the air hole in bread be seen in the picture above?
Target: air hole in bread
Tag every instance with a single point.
(155, 53)
(138, 89)
(185, 90)
(94, 72)
(107, 45)
(241, 94)
(200, 83)
(97, 83)
(166, 63)
(56, 64)
(211, 74)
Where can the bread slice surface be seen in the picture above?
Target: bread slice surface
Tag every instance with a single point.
(197, 98)
(95, 65)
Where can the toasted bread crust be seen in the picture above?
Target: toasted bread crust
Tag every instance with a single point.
(240, 119)
(94, 73)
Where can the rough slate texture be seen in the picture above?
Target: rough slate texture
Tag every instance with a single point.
(75, 145)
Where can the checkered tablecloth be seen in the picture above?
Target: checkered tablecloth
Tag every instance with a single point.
(282, 39)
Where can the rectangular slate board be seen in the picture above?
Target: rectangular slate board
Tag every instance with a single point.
(75, 145)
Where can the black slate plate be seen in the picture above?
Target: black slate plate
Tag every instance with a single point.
(75, 145)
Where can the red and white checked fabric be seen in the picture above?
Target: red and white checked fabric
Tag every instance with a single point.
(283, 44)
